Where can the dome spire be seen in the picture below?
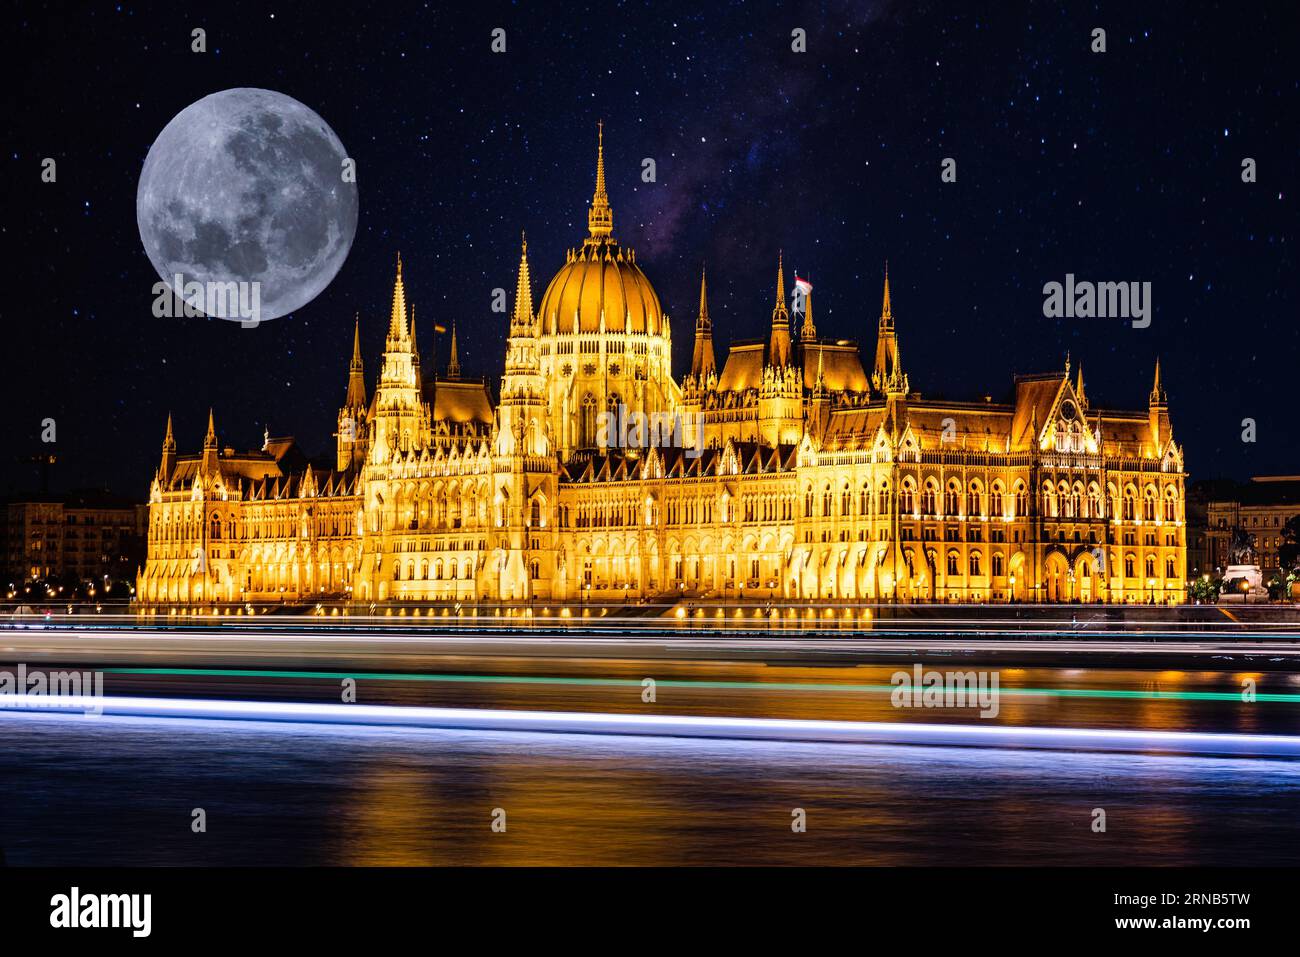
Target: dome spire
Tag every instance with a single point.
(600, 218)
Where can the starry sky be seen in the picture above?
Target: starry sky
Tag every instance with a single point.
(1115, 166)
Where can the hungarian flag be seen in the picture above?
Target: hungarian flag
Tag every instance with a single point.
(802, 286)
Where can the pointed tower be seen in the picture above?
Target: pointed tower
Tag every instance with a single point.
(888, 376)
(778, 350)
(415, 352)
(398, 403)
(524, 468)
(808, 331)
(453, 356)
(1158, 415)
(780, 397)
(702, 361)
(210, 445)
(350, 437)
(1078, 389)
(356, 397)
(600, 218)
(398, 331)
(168, 463)
(523, 404)
(820, 405)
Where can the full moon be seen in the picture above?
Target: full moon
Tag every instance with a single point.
(248, 186)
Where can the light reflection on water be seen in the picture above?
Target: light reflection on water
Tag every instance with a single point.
(120, 791)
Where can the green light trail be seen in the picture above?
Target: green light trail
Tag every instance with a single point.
(707, 685)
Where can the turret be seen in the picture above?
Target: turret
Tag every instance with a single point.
(778, 352)
(888, 376)
(453, 356)
(399, 409)
(210, 446)
(1158, 414)
(349, 439)
(168, 463)
(702, 361)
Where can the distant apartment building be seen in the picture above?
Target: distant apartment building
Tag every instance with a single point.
(79, 536)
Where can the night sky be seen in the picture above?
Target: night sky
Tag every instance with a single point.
(1122, 166)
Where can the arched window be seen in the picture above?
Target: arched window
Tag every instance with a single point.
(975, 564)
(952, 563)
(535, 514)
(950, 499)
(587, 425)
(906, 499)
(997, 565)
(1169, 568)
(995, 500)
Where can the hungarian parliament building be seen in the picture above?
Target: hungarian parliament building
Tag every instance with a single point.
(793, 472)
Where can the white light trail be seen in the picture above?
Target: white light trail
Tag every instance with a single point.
(688, 726)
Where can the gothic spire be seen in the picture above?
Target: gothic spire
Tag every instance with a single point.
(356, 398)
(1158, 396)
(888, 376)
(808, 331)
(779, 345)
(886, 310)
(702, 361)
(453, 356)
(210, 440)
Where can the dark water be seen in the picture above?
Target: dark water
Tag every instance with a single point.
(120, 791)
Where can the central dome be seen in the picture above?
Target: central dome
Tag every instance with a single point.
(600, 288)
(601, 280)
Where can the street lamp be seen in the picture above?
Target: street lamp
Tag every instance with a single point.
(1013, 588)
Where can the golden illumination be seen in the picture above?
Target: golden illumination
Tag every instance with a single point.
(802, 475)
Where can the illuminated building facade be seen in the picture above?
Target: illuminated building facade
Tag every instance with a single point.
(799, 473)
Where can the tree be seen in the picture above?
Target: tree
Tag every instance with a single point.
(1288, 554)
